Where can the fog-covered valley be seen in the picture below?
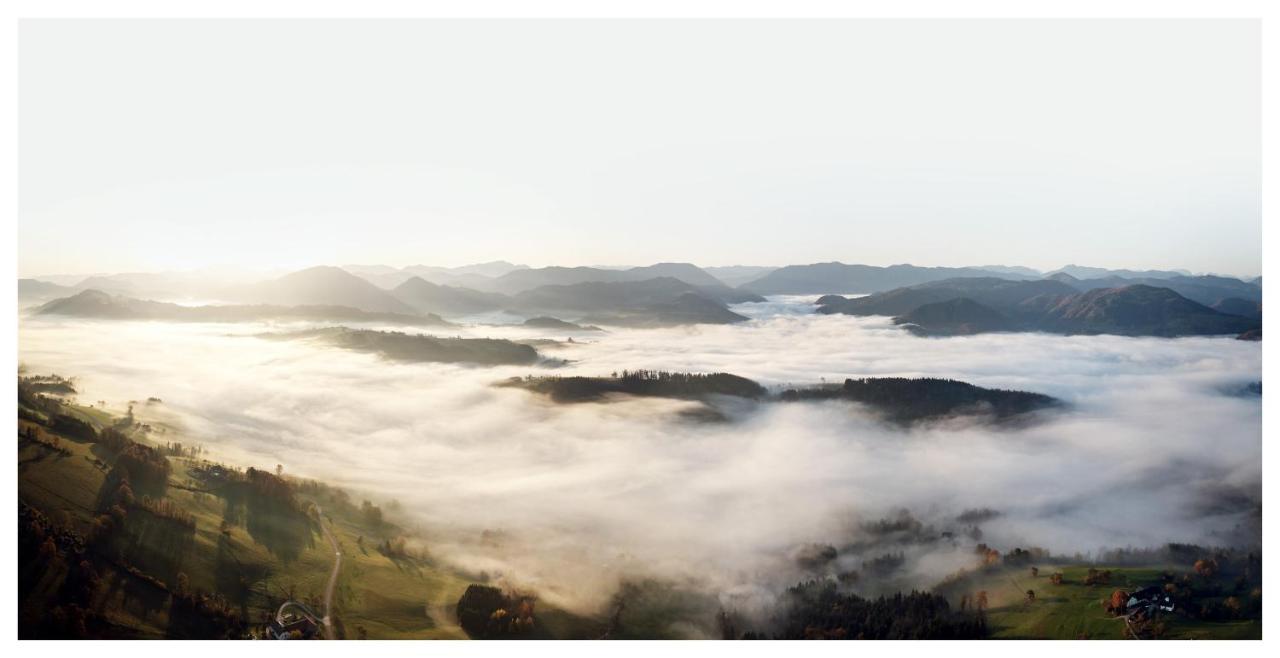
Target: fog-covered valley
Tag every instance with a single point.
(1157, 444)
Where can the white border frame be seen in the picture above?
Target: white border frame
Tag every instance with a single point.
(20, 9)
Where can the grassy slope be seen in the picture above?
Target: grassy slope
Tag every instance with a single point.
(404, 598)
(1074, 610)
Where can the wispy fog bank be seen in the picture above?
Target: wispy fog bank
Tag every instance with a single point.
(1151, 451)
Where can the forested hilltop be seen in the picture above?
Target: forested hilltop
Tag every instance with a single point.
(401, 346)
(904, 400)
(898, 400)
(642, 383)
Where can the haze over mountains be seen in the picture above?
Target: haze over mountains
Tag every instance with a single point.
(927, 300)
(980, 305)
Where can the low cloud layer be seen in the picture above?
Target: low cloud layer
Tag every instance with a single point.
(578, 497)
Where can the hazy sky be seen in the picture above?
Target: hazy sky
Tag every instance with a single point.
(174, 145)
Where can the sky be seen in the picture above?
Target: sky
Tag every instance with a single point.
(175, 145)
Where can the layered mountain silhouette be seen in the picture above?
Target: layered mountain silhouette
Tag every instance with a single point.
(1237, 306)
(977, 305)
(1084, 272)
(989, 291)
(518, 281)
(101, 305)
(652, 302)
(31, 290)
(330, 293)
(448, 300)
(1205, 289)
(820, 278)
(736, 275)
(323, 285)
(923, 299)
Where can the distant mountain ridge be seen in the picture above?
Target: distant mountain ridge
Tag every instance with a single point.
(101, 305)
(670, 293)
(1083, 272)
(321, 285)
(332, 293)
(838, 278)
(448, 300)
(37, 290)
(1205, 289)
(652, 302)
(519, 281)
(978, 305)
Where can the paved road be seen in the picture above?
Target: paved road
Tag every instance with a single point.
(333, 575)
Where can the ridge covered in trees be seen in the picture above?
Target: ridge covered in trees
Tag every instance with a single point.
(401, 346)
(818, 610)
(643, 383)
(905, 400)
(898, 400)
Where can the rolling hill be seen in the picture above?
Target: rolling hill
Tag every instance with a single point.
(1000, 294)
(523, 280)
(323, 285)
(1137, 310)
(447, 300)
(1241, 307)
(954, 317)
(1207, 290)
(652, 302)
(1044, 305)
(419, 347)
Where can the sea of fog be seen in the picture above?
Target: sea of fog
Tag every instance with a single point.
(1157, 445)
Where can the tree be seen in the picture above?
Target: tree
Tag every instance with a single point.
(1035, 572)
(48, 550)
(1206, 567)
(372, 513)
(980, 603)
(1097, 576)
(1118, 603)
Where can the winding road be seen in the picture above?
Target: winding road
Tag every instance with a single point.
(333, 575)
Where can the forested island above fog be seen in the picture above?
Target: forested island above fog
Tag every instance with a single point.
(898, 400)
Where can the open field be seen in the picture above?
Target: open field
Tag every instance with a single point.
(1074, 610)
